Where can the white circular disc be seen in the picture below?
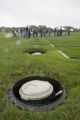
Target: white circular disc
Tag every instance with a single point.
(37, 53)
(35, 90)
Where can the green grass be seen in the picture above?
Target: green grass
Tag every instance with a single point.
(69, 45)
(15, 63)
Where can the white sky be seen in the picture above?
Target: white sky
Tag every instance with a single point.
(40, 12)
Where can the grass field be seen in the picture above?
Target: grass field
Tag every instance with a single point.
(15, 63)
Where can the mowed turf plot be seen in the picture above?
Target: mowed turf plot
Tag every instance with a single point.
(68, 45)
(16, 63)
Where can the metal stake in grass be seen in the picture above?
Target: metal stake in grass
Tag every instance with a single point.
(63, 54)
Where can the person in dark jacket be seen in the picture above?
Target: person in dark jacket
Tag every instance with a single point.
(61, 31)
(69, 32)
(55, 32)
(40, 33)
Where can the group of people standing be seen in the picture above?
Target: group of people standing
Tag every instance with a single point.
(34, 33)
(59, 32)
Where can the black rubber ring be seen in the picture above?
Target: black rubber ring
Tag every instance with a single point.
(44, 104)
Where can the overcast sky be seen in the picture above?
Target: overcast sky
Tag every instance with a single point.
(40, 12)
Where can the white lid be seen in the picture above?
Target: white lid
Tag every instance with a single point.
(35, 90)
(37, 53)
